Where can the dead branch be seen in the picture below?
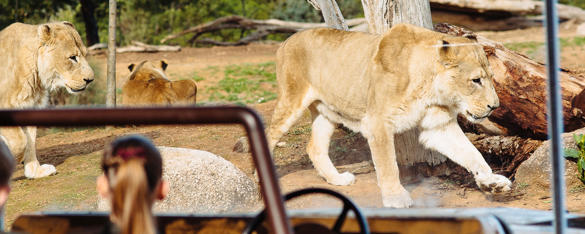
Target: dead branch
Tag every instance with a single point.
(234, 21)
(136, 46)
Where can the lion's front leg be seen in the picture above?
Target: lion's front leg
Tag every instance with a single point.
(450, 140)
(381, 142)
(32, 167)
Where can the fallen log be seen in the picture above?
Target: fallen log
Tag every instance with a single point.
(239, 22)
(136, 46)
(500, 8)
(521, 86)
(504, 153)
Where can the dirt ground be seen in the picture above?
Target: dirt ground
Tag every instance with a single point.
(76, 152)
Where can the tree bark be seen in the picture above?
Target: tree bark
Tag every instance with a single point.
(91, 29)
(331, 13)
(499, 8)
(505, 153)
(382, 14)
(111, 68)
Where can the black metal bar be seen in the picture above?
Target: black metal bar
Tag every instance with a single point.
(555, 117)
(179, 115)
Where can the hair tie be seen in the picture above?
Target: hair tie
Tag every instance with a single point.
(130, 152)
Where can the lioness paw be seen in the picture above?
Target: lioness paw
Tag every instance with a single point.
(400, 200)
(493, 183)
(34, 171)
(342, 179)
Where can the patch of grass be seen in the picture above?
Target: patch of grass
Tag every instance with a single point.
(529, 47)
(247, 83)
(43, 131)
(301, 130)
(196, 77)
(72, 188)
(212, 69)
(577, 189)
(522, 185)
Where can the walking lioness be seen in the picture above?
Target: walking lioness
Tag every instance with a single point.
(380, 85)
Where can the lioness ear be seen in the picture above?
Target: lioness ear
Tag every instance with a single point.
(131, 67)
(445, 53)
(470, 36)
(163, 65)
(69, 24)
(44, 32)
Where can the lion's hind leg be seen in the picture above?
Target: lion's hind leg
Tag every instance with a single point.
(318, 150)
(289, 109)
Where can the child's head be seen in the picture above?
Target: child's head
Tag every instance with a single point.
(7, 165)
(132, 169)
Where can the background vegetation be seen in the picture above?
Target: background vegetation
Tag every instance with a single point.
(151, 20)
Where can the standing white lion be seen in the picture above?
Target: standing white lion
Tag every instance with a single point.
(36, 60)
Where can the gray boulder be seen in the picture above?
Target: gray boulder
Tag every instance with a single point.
(202, 182)
(536, 171)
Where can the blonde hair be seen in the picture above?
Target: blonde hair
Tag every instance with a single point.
(133, 167)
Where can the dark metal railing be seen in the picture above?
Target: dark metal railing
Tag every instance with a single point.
(179, 115)
(555, 116)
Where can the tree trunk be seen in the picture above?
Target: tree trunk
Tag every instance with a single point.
(382, 14)
(331, 13)
(91, 29)
(111, 69)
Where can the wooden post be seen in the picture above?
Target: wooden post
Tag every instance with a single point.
(111, 80)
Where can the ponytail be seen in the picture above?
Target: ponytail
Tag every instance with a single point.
(132, 198)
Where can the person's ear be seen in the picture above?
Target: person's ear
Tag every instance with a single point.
(162, 190)
(102, 186)
(4, 191)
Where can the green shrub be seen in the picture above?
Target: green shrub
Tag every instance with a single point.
(578, 155)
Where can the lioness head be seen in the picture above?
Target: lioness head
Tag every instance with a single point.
(146, 70)
(465, 78)
(61, 57)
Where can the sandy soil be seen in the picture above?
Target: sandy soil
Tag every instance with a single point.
(76, 152)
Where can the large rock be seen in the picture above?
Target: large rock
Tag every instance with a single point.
(201, 182)
(536, 171)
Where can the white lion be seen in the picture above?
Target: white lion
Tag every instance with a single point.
(380, 85)
(38, 59)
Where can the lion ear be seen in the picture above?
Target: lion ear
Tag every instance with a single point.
(446, 53)
(164, 65)
(69, 24)
(131, 67)
(470, 36)
(44, 32)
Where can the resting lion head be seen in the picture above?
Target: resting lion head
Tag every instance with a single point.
(465, 78)
(61, 57)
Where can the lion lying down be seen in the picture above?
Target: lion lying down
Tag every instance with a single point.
(380, 85)
(148, 84)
